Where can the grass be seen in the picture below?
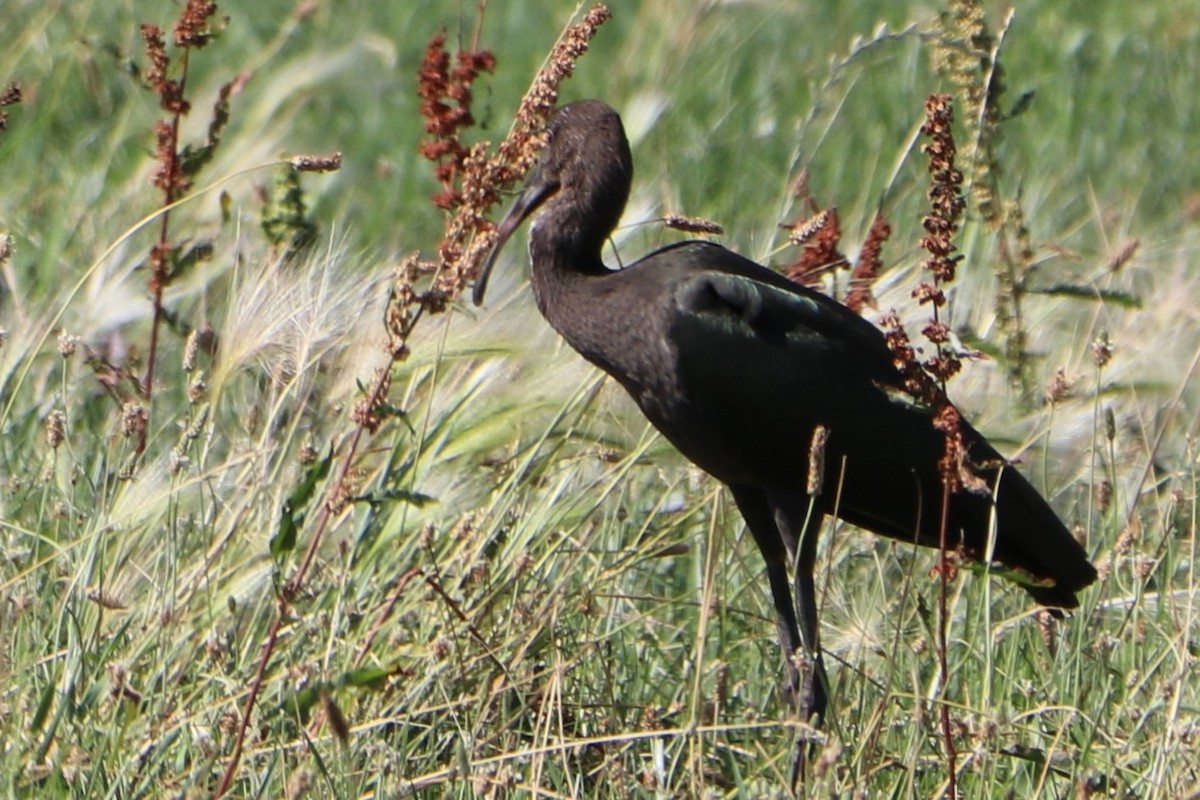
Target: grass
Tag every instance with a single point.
(530, 591)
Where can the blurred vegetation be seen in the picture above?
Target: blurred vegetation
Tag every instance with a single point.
(527, 588)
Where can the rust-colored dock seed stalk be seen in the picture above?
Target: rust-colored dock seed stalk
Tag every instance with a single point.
(946, 199)
(192, 28)
(446, 99)
(869, 265)
(926, 380)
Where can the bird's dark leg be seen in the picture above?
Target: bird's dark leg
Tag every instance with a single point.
(798, 521)
(763, 526)
(815, 696)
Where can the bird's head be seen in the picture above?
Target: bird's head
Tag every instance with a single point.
(579, 187)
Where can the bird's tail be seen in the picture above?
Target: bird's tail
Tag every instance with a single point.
(1033, 541)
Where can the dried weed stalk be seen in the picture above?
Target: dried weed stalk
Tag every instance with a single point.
(176, 165)
(446, 106)
(472, 183)
(926, 380)
(967, 53)
(868, 267)
(472, 180)
(965, 50)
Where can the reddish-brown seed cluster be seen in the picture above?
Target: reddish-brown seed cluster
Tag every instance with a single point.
(945, 191)
(822, 237)
(917, 382)
(160, 266)
(926, 379)
(191, 30)
(869, 265)
(10, 96)
(945, 196)
(948, 565)
(367, 412)
(472, 181)
(169, 91)
(446, 106)
(169, 174)
(955, 466)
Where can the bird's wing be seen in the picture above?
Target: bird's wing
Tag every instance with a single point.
(730, 286)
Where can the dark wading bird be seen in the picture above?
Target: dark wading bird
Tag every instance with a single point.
(737, 366)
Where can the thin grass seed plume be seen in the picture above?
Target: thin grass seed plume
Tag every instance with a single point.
(758, 379)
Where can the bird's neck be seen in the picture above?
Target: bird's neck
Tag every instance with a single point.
(563, 265)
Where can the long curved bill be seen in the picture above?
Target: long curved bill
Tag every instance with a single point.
(532, 196)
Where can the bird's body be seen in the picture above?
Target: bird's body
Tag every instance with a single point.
(737, 367)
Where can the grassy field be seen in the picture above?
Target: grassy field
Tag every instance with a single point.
(510, 585)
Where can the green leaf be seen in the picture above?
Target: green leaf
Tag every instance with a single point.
(402, 495)
(302, 702)
(43, 707)
(292, 517)
(369, 677)
(1123, 299)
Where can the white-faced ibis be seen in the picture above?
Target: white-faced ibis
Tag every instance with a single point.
(737, 366)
